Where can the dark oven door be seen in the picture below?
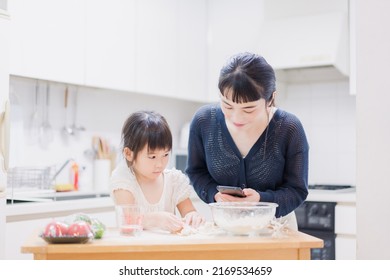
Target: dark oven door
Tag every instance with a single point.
(316, 218)
(328, 251)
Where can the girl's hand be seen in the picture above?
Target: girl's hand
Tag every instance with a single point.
(251, 196)
(194, 219)
(168, 221)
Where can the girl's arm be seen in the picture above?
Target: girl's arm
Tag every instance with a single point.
(162, 220)
(123, 197)
(189, 213)
(185, 207)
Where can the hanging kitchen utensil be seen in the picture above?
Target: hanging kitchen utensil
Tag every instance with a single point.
(46, 132)
(96, 147)
(48, 128)
(66, 130)
(34, 128)
(75, 128)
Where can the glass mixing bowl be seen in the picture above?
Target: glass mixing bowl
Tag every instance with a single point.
(243, 218)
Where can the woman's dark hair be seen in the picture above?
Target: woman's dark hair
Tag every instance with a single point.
(146, 128)
(248, 77)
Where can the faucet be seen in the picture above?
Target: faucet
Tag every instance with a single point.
(61, 168)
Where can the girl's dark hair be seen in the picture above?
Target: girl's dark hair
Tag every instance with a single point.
(249, 77)
(146, 128)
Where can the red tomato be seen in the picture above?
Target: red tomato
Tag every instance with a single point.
(56, 229)
(79, 228)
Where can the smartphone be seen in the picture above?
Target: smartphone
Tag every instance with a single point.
(236, 191)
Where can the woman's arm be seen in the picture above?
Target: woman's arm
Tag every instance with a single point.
(197, 170)
(292, 189)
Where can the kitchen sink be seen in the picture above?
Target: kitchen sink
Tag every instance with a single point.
(78, 196)
(17, 201)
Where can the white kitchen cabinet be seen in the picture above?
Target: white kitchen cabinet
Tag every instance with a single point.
(18, 232)
(234, 27)
(345, 229)
(171, 48)
(345, 222)
(192, 50)
(148, 46)
(156, 47)
(345, 248)
(20, 226)
(47, 39)
(16, 235)
(110, 54)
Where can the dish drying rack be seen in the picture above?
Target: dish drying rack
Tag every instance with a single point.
(26, 179)
(30, 178)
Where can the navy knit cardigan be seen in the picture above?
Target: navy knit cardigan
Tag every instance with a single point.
(276, 166)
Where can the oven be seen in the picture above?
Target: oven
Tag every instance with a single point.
(318, 219)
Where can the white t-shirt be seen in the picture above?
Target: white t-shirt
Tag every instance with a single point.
(177, 188)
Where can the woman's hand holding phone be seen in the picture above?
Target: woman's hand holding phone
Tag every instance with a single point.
(236, 194)
(235, 191)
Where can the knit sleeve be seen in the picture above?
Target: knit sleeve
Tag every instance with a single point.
(293, 188)
(197, 171)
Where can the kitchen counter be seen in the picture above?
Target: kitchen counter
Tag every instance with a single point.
(35, 214)
(163, 245)
(51, 208)
(44, 206)
(339, 196)
(23, 217)
(47, 208)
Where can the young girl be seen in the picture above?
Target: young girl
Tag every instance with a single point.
(141, 178)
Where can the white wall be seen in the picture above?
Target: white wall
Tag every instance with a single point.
(3, 4)
(327, 112)
(285, 8)
(373, 128)
(101, 112)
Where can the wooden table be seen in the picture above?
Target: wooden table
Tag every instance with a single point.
(162, 245)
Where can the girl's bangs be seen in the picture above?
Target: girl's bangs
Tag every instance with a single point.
(159, 140)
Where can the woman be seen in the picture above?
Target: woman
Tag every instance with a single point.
(246, 141)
